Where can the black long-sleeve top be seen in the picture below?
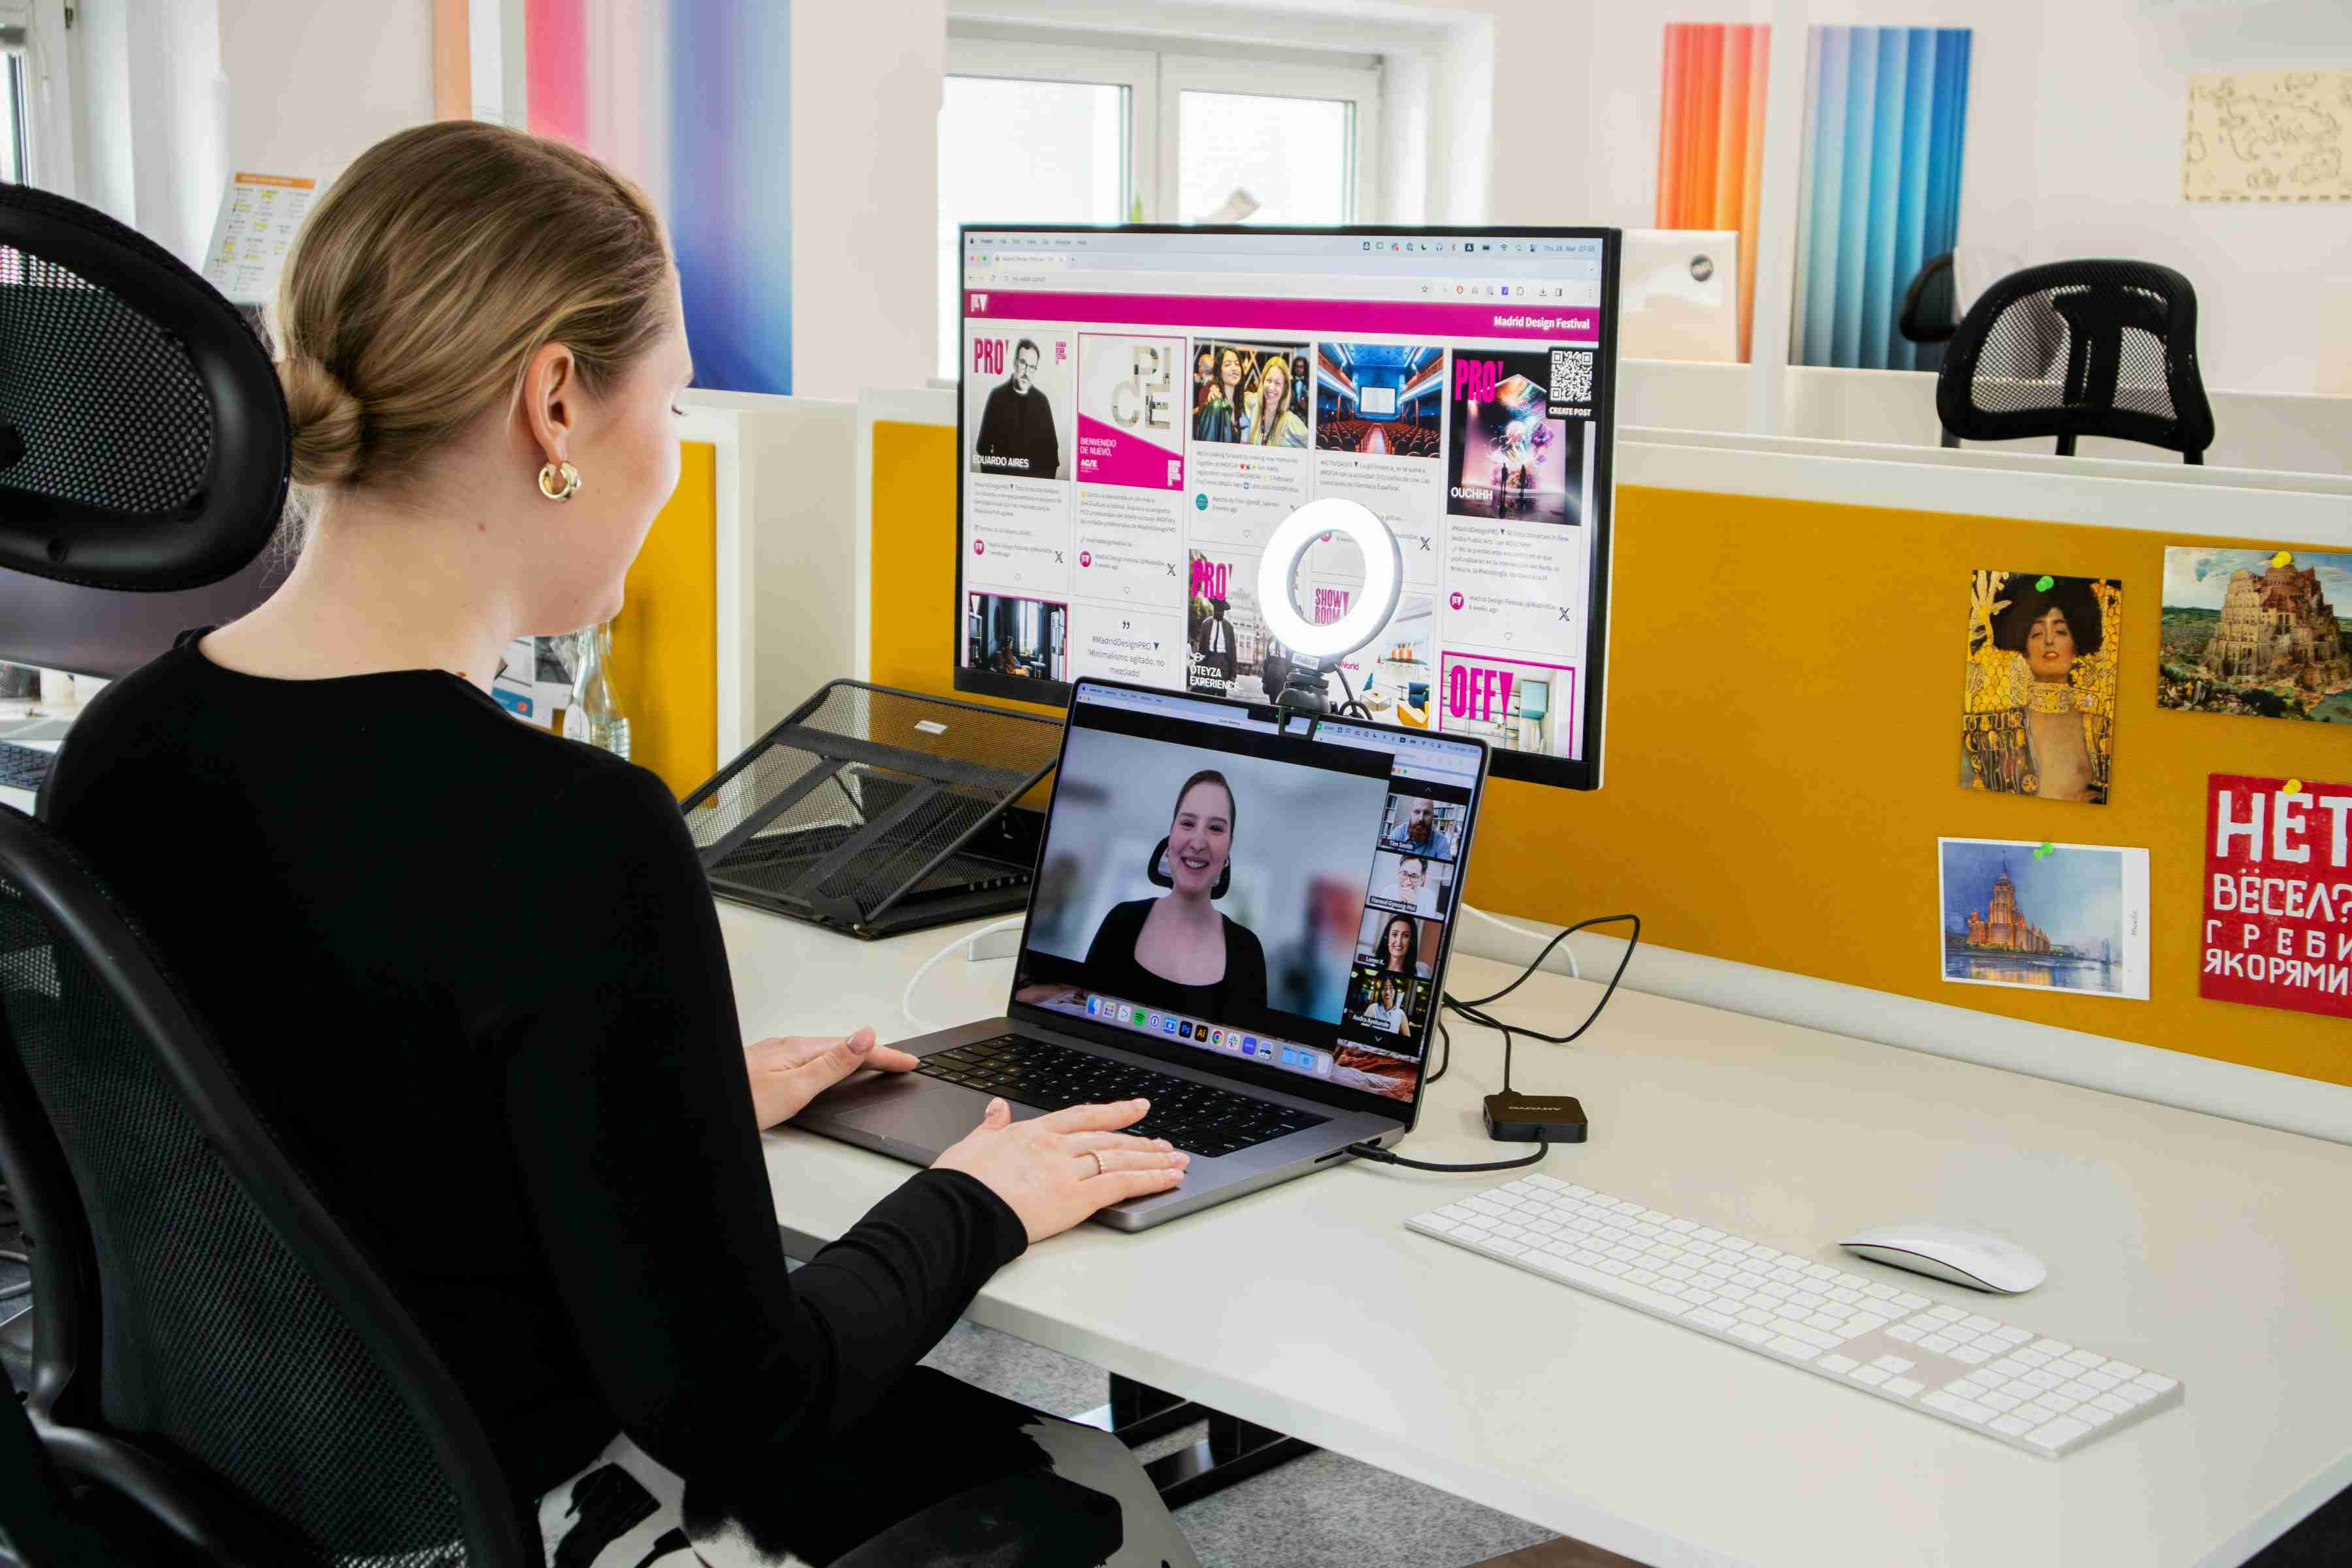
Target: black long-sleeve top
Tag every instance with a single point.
(471, 975)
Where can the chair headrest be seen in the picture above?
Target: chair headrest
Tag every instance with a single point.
(143, 437)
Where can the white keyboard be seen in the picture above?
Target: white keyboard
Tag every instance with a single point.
(2012, 1384)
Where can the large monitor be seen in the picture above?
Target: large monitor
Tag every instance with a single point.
(1142, 405)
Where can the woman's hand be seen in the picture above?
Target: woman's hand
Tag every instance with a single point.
(786, 1074)
(1046, 1169)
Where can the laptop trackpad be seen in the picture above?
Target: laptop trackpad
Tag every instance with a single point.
(922, 1111)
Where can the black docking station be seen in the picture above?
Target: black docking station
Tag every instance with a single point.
(1534, 1118)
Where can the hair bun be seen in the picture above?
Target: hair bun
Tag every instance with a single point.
(326, 420)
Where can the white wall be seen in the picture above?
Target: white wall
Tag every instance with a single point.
(2111, 140)
(2074, 140)
(1536, 110)
(312, 85)
(2075, 112)
(864, 116)
(174, 95)
(150, 147)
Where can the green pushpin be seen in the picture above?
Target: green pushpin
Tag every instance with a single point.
(2045, 851)
(2042, 585)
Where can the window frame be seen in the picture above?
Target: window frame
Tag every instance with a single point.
(1137, 70)
(42, 68)
(1250, 72)
(17, 146)
(16, 68)
(1155, 80)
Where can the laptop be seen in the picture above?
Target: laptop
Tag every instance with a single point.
(1240, 913)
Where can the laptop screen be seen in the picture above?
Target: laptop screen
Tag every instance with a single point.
(1269, 888)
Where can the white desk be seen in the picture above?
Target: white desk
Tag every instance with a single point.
(2209, 1250)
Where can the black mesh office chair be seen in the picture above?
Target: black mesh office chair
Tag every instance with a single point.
(1925, 316)
(216, 1358)
(2080, 348)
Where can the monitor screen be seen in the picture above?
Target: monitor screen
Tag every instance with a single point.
(1255, 886)
(1142, 406)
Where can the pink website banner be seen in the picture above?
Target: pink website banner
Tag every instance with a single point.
(1579, 324)
(1109, 456)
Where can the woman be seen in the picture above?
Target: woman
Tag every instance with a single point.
(1178, 950)
(1271, 421)
(1220, 418)
(2029, 725)
(1384, 1013)
(1399, 950)
(483, 344)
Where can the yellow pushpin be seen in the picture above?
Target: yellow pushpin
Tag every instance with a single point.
(2284, 558)
(2294, 786)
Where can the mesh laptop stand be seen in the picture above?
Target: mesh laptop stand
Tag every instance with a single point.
(873, 811)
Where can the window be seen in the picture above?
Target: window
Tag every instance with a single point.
(1251, 141)
(15, 157)
(1035, 131)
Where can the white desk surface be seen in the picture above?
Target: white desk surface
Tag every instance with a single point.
(2208, 1249)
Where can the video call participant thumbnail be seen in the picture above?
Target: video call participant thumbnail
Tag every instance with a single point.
(1381, 1002)
(1397, 944)
(1411, 882)
(1417, 825)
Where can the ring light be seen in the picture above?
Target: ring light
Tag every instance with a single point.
(1278, 571)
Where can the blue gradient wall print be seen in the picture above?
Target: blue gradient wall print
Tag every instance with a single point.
(731, 188)
(691, 99)
(1885, 119)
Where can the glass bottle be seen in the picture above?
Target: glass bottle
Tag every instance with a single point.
(595, 713)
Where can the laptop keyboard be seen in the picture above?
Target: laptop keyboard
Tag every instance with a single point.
(23, 767)
(1194, 1116)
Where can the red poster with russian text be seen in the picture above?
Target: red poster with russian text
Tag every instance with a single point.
(2278, 894)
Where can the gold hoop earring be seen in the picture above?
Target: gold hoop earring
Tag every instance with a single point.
(558, 482)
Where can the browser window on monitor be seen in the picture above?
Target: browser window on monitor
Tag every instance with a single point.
(1142, 409)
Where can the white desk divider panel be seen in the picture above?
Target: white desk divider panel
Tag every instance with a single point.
(2271, 431)
(788, 535)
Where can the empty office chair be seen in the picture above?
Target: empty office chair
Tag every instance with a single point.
(1926, 315)
(214, 1358)
(2080, 348)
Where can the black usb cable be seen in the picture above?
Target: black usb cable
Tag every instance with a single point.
(1475, 1010)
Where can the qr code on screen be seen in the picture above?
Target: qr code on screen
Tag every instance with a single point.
(1572, 378)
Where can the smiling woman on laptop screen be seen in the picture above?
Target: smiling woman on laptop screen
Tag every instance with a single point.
(1205, 880)
(1207, 961)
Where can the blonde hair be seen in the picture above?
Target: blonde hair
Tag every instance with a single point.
(441, 261)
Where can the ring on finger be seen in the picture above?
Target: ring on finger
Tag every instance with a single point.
(1097, 1155)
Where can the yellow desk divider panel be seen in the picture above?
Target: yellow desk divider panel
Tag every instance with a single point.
(1784, 694)
(914, 552)
(666, 639)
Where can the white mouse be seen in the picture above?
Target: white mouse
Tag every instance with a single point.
(1968, 1257)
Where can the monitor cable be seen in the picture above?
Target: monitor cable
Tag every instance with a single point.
(1475, 1010)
